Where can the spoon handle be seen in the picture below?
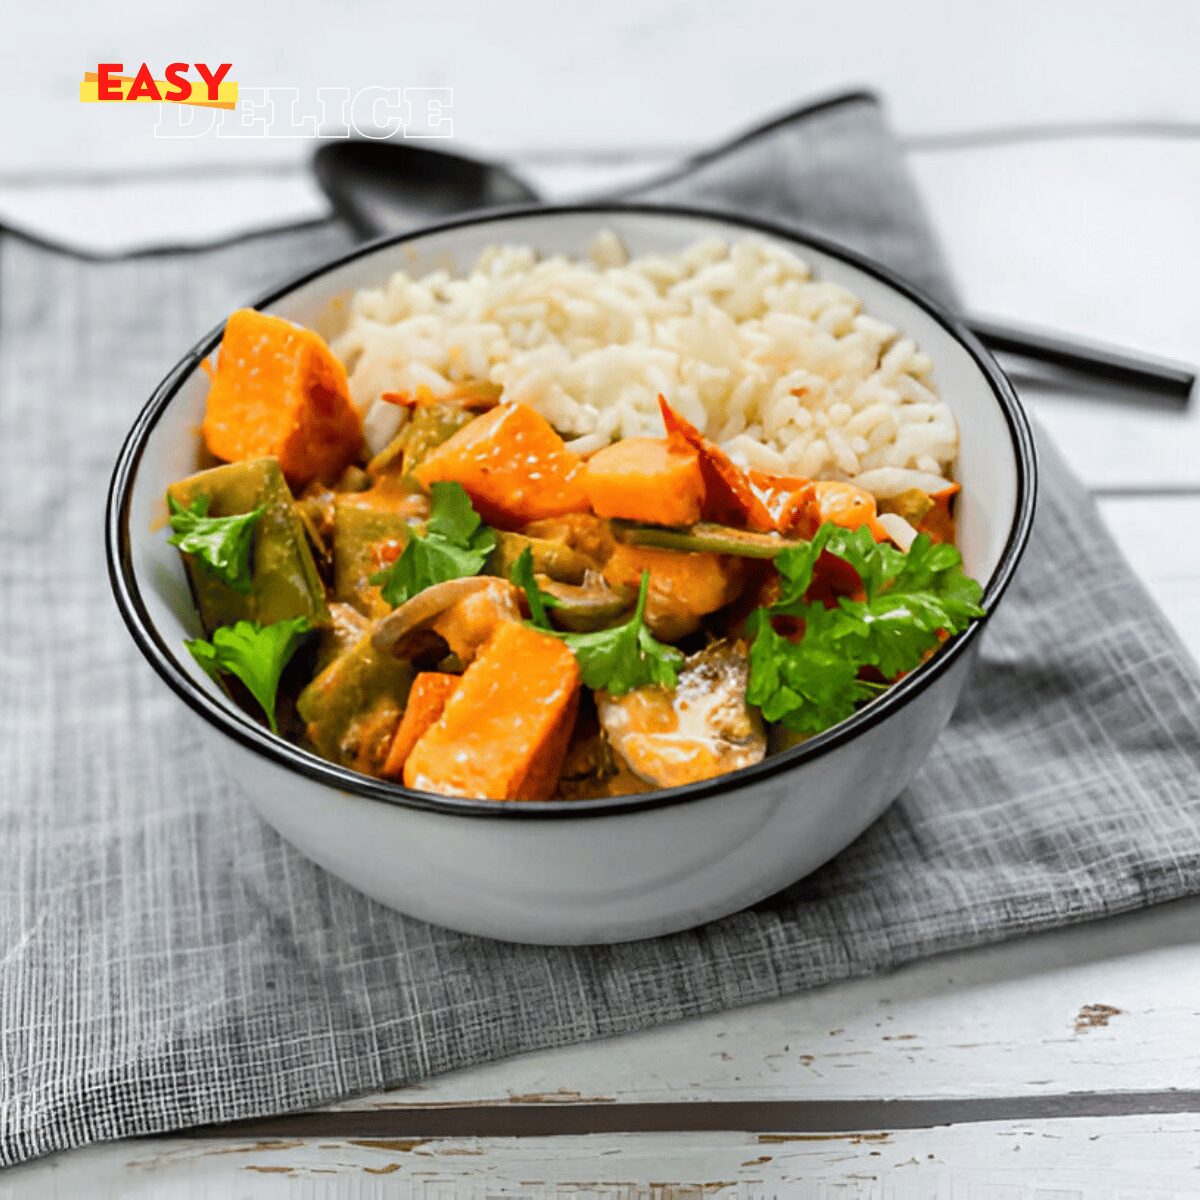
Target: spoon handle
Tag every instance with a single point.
(1162, 378)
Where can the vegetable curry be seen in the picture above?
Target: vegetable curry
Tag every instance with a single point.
(477, 611)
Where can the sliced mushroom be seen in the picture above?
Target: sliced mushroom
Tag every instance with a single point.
(470, 621)
(457, 616)
(587, 606)
(393, 633)
(701, 729)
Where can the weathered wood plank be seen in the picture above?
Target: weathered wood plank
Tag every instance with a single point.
(1029, 1017)
(1126, 1157)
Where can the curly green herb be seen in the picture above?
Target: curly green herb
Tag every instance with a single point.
(255, 654)
(910, 603)
(521, 574)
(220, 544)
(454, 544)
(627, 656)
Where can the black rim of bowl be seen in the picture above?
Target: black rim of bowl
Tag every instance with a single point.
(250, 734)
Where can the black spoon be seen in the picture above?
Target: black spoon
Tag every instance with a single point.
(381, 187)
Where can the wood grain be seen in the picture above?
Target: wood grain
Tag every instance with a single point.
(1014, 1160)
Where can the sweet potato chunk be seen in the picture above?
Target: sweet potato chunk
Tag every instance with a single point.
(646, 479)
(729, 498)
(504, 732)
(279, 391)
(807, 508)
(426, 701)
(684, 586)
(848, 506)
(513, 465)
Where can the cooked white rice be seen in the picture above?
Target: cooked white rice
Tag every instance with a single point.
(783, 370)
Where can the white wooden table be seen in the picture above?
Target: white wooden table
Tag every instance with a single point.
(1059, 1065)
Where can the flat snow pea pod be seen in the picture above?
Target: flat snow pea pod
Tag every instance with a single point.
(369, 532)
(284, 578)
(427, 428)
(351, 709)
(346, 628)
(706, 537)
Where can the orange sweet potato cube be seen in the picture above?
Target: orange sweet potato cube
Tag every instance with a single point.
(279, 391)
(426, 701)
(646, 479)
(512, 464)
(504, 732)
(728, 496)
(684, 585)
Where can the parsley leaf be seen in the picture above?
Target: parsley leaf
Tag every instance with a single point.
(796, 566)
(627, 656)
(809, 685)
(424, 562)
(256, 654)
(616, 660)
(455, 543)
(452, 516)
(910, 602)
(221, 545)
(521, 574)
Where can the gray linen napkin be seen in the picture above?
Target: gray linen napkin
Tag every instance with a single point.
(166, 960)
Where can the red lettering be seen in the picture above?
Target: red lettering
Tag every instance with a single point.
(144, 85)
(108, 88)
(213, 79)
(182, 87)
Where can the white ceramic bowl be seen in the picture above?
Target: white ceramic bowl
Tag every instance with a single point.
(600, 870)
